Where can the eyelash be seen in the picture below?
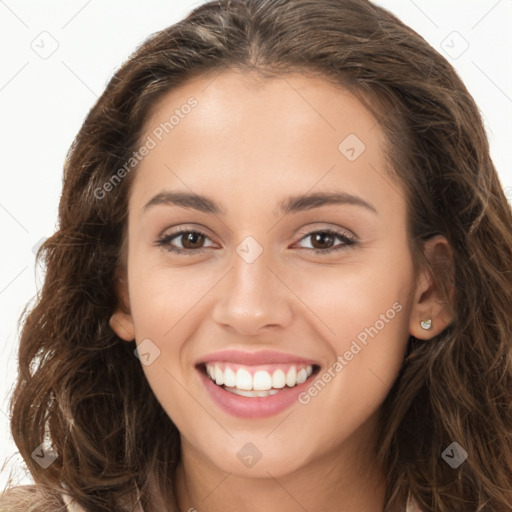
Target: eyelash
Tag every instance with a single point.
(349, 242)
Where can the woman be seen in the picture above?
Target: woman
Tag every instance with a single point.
(281, 280)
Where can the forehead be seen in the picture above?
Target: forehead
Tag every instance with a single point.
(291, 102)
(243, 132)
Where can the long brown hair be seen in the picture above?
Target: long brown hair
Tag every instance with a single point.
(81, 387)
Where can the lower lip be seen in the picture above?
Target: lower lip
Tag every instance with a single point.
(257, 407)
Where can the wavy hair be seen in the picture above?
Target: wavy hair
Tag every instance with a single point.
(79, 385)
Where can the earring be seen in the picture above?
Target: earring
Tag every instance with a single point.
(426, 324)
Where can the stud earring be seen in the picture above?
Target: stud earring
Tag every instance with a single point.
(426, 324)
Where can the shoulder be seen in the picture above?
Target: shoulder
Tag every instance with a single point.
(29, 498)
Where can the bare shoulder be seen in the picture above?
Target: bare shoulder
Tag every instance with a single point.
(29, 498)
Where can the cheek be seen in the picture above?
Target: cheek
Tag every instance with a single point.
(357, 301)
(162, 308)
(362, 313)
(161, 298)
(165, 304)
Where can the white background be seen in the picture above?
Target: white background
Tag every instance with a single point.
(43, 102)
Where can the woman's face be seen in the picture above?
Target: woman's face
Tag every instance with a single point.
(261, 169)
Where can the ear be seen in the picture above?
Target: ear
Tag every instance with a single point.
(121, 322)
(429, 300)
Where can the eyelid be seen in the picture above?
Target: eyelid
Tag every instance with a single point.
(184, 228)
(329, 228)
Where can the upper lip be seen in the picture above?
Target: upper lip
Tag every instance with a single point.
(259, 357)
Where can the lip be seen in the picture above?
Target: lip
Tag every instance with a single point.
(254, 358)
(254, 407)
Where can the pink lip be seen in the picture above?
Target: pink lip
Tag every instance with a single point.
(254, 358)
(257, 407)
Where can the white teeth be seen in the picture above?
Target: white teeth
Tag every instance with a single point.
(243, 379)
(252, 394)
(219, 376)
(301, 376)
(229, 377)
(261, 381)
(291, 377)
(279, 379)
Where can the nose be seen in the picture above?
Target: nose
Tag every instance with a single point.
(253, 297)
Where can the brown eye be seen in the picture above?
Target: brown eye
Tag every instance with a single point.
(323, 241)
(183, 242)
(192, 240)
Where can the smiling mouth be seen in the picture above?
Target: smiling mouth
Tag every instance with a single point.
(260, 380)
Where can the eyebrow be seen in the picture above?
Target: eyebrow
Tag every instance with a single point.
(290, 205)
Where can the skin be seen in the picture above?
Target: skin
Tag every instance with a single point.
(249, 144)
